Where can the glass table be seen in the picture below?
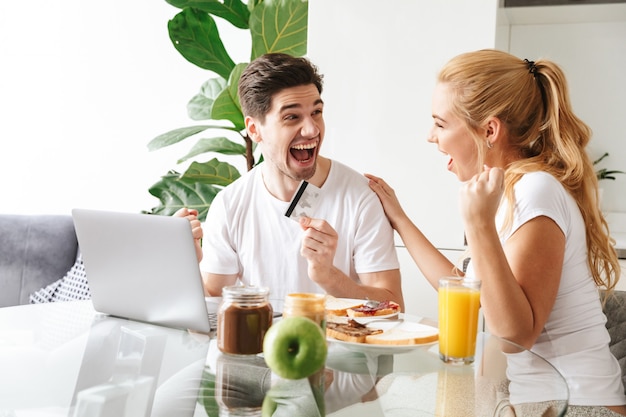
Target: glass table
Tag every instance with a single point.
(64, 359)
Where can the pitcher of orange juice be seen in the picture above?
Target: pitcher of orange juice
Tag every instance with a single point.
(459, 301)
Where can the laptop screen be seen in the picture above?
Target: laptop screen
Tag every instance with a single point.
(142, 267)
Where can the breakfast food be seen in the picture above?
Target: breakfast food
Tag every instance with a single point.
(347, 307)
(339, 306)
(352, 331)
(383, 308)
(295, 347)
(406, 333)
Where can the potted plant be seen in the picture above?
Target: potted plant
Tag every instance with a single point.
(274, 26)
(604, 173)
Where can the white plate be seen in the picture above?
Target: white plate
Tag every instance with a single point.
(365, 320)
(388, 349)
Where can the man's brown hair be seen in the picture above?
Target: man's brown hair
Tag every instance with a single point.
(270, 74)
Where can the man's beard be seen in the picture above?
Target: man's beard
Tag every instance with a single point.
(303, 176)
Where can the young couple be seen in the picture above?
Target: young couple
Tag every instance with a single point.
(529, 201)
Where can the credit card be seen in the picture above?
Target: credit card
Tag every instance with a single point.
(304, 201)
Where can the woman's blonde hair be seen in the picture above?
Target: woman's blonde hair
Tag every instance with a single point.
(532, 101)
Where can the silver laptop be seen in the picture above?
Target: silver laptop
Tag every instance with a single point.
(142, 267)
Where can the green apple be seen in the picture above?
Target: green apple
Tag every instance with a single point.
(295, 347)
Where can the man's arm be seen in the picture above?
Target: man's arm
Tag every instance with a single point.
(213, 283)
(379, 286)
(383, 285)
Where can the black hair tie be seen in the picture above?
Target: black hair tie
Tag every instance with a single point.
(532, 68)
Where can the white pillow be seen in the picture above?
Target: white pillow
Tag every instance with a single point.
(73, 286)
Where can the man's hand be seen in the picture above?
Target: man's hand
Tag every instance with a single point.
(196, 228)
(319, 245)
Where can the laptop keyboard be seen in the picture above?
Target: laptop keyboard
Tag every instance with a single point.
(213, 320)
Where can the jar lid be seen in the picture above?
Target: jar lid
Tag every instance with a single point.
(245, 292)
(305, 299)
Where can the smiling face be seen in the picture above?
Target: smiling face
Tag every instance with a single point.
(452, 136)
(292, 132)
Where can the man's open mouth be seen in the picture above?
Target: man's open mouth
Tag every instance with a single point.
(303, 152)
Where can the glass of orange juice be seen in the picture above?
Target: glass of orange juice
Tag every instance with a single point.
(459, 301)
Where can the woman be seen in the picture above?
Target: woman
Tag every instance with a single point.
(529, 201)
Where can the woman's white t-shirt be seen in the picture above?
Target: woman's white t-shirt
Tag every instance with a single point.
(575, 339)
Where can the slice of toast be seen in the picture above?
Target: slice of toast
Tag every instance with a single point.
(339, 306)
(385, 308)
(406, 334)
(351, 331)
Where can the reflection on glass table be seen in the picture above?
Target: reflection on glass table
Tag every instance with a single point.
(505, 380)
(63, 359)
(414, 382)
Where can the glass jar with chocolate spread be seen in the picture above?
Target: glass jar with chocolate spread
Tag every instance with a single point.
(243, 318)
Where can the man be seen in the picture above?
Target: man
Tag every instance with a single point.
(345, 249)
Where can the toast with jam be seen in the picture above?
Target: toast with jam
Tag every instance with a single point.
(383, 308)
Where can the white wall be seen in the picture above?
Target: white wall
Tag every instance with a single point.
(589, 43)
(84, 86)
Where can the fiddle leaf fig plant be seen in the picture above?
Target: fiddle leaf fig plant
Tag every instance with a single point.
(274, 26)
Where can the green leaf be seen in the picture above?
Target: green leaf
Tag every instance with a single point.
(201, 105)
(207, 393)
(174, 193)
(252, 4)
(175, 136)
(279, 26)
(234, 11)
(601, 158)
(226, 105)
(219, 144)
(606, 174)
(211, 172)
(195, 35)
(225, 108)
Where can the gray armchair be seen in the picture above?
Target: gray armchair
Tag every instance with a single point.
(615, 311)
(35, 250)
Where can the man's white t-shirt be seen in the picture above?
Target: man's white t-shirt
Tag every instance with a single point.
(247, 233)
(575, 339)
